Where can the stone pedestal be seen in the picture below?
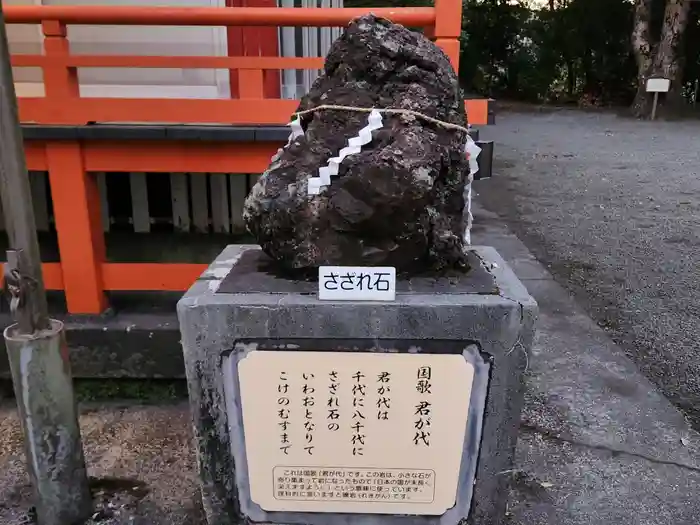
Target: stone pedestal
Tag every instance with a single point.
(319, 412)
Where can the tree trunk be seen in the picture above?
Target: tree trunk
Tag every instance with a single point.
(669, 58)
(643, 53)
(591, 86)
(570, 79)
(662, 59)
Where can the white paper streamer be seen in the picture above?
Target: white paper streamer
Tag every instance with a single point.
(364, 136)
(472, 151)
(314, 186)
(297, 131)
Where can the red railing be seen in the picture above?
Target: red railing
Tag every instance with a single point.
(63, 104)
(83, 271)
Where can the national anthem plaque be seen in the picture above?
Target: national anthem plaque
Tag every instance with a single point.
(354, 432)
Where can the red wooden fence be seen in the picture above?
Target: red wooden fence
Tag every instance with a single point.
(83, 272)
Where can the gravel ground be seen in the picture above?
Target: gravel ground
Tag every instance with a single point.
(612, 207)
(140, 461)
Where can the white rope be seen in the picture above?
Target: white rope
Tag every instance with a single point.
(388, 111)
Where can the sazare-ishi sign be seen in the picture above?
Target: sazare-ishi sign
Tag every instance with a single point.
(354, 432)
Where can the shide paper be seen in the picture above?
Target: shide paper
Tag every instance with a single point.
(297, 131)
(471, 150)
(363, 137)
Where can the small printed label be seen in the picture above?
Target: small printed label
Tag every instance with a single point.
(354, 484)
(356, 283)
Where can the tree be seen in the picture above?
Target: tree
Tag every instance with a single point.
(576, 51)
(659, 52)
(598, 38)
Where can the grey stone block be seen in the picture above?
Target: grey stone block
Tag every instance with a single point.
(493, 325)
(485, 159)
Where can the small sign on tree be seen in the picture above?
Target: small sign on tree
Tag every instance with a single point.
(657, 85)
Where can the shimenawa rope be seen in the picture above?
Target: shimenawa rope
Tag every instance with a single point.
(391, 111)
(388, 111)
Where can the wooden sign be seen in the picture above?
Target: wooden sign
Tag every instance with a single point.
(658, 85)
(354, 432)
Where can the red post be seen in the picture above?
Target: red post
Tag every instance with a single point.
(76, 199)
(60, 82)
(251, 83)
(267, 45)
(254, 41)
(448, 28)
(76, 205)
(234, 37)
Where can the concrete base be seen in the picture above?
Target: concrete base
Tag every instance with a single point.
(129, 344)
(228, 305)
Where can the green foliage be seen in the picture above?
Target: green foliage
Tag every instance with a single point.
(567, 51)
(580, 48)
(692, 48)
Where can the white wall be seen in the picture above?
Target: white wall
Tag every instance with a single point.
(159, 40)
(305, 42)
(25, 39)
(131, 40)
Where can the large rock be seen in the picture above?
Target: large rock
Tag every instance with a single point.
(399, 201)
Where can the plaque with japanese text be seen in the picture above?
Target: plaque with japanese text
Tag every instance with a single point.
(354, 432)
(356, 283)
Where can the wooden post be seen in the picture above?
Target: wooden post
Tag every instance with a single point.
(239, 189)
(654, 105)
(17, 202)
(36, 345)
(76, 207)
(448, 28)
(179, 195)
(200, 200)
(220, 219)
(75, 193)
(140, 213)
(289, 49)
(60, 82)
(251, 83)
(268, 46)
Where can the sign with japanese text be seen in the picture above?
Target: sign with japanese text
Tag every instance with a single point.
(356, 432)
(356, 283)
